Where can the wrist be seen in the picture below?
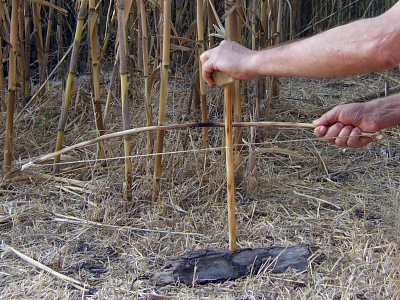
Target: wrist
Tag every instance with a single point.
(386, 111)
(258, 63)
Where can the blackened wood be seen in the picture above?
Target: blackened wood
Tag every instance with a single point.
(209, 265)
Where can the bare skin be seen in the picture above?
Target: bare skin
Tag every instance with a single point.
(362, 46)
(343, 124)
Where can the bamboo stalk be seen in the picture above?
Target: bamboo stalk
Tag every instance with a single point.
(123, 65)
(93, 17)
(147, 99)
(39, 160)
(12, 70)
(71, 75)
(163, 98)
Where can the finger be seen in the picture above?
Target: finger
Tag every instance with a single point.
(330, 117)
(320, 131)
(333, 132)
(207, 77)
(356, 141)
(206, 68)
(344, 136)
(206, 72)
(205, 56)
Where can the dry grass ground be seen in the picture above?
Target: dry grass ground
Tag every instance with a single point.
(344, 203)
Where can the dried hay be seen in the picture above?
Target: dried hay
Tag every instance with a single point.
(343, 202)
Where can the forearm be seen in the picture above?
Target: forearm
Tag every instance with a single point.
(358, 47)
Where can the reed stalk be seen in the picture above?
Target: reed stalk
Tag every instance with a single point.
(196, 86)
(48, 38)
(5, 16)
(134, 33)
(36, 8)
(252, 174)
(163, 98)
(262, 43)
(12, 72)
(71, 75)
(61, 70)
(178, 25)
(201, 49)
(123, 70)
(2, 85)
(272, 79)
(108, 32)
(211, 23)
(93, 37)
(254, 47)
(147, 99)
(21, 52)
(27, 71)
(111, 88)
(233, 30)
(5, 23)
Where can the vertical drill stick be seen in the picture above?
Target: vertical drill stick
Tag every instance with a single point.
(222, 79)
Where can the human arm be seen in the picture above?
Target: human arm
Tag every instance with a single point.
(343, 124)
(361, 46)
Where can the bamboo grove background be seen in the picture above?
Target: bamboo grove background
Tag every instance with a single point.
(149, 41)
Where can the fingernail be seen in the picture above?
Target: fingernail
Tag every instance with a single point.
(316, 122)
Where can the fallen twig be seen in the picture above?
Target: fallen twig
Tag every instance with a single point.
(74, 220)
(317, 199)
(79, 285)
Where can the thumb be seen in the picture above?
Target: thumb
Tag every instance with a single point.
(330, 117)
